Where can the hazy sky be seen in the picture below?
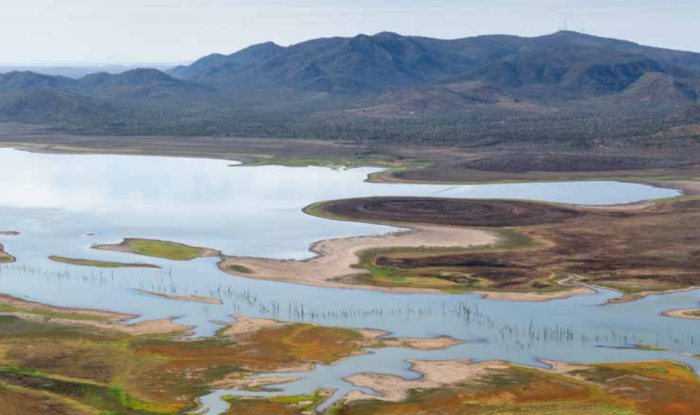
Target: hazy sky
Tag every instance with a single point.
(127, 31)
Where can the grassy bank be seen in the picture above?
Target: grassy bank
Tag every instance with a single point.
(98, 264)
(159, 249)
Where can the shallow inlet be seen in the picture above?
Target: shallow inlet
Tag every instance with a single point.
(56, 201)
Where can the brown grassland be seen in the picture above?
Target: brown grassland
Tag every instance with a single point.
(646, 388)
(649, 247)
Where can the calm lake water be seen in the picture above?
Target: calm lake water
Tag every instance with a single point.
(55, 200)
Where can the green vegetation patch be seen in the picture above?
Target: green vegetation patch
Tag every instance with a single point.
(107, 372)
(240, 269)
(279, 405)
(50, 314)
(5, 258)
(98, 264)
(650, 348)
(332, 161)
(109, 399)
(164, 249)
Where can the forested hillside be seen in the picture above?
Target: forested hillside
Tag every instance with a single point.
(566, 88)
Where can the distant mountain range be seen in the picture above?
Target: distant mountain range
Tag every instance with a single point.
(79, 71)
(567, 87)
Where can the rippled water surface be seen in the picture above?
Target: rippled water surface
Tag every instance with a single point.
(56, 200)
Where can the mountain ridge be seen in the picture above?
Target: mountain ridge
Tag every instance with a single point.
(384, 86)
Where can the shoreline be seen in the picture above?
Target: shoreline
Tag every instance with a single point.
(29, 305)
(628, 298)
(5, 257)
(374, 338)
(190, 298)
(98, 263)
(434, 374)
(87, 317)
(437, 374)
(270, 265)
(338, 257)
(683, 313)
(652, 177)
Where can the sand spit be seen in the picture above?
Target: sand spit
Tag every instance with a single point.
(338, 258)
(31, 306)
(98, 263)
(190, 298)
(79, 317)
(690, 187)
(246, 325)
(561, 368)
(438, 343)
(537, 297)
(4, 256)
(384, 338)
(164, 326)
(628, 298)
(372, 338)
(434, 374)
(234, 381)
(688, 313)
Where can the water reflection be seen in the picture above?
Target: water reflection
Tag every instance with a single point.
(55, 200)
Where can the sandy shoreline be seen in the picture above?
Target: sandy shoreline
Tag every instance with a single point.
(687, 313)
(434, 375)
(251, 383)
(537, 297)
(337, 258)
(103, 320)
(373, 338)
(246, 325)
(29, 306)
(190, 298)
(437, 343)
(689, 187)
(628, 298)
(99, 264)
